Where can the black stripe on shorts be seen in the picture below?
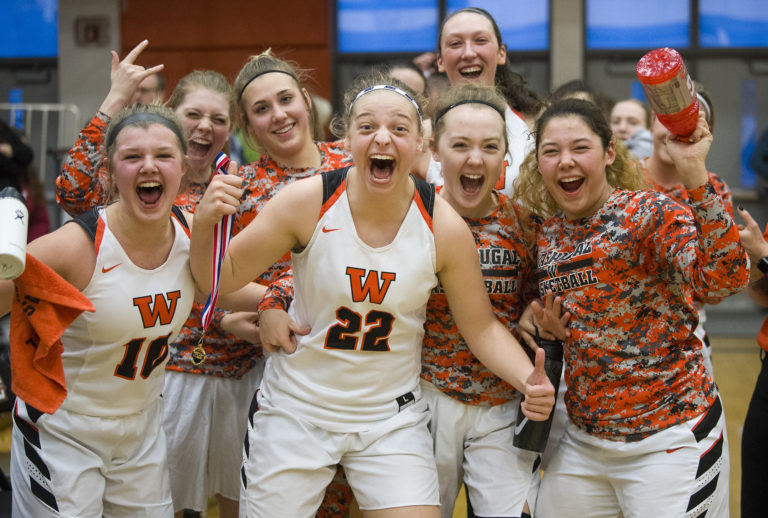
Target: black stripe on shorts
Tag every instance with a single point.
(709, 421)
(29, 432)
(43, 494)
(710, 457)
(37, 460)
(254, 406)
(702, 494)
(33, 413)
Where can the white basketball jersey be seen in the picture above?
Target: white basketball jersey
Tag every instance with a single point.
(114, 358)
(366, 307)
(521, 142)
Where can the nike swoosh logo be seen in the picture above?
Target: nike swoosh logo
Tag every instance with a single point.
(519, 427)
(326, 230)
(674, 449)
(105, 270)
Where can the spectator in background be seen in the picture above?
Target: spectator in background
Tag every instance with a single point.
(322, 112)
(579, 89)
(631, 122)
(15, 156)
(427, 63)
(411, 75)
(754, 449)
(17, 169)
(34, 196)
(150, 90)
(437, 84)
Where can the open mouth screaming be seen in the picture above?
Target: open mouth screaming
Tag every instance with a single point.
(471, 183)
(382, 166)
(149, 193)
(198, 148)
(571, 184)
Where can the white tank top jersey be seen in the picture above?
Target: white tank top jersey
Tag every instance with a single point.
(114, 358)
(366, 307)
(521, 142)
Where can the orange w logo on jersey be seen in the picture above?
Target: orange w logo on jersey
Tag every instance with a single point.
(372, 288)
(164, 308)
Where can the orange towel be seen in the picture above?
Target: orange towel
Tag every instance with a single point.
(43, 306)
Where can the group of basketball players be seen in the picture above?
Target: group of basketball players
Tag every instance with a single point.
(390, 350)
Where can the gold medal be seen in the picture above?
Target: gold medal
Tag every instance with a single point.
(198, 353)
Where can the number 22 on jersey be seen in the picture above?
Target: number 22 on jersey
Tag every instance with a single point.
(348, 333)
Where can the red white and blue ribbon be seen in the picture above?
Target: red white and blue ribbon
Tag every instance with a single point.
(222, 232)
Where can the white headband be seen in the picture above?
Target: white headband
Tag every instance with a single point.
(390, 88)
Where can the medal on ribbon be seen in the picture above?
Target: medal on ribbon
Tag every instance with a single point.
(221, 235)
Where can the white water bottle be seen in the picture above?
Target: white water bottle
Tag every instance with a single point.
(13, 233)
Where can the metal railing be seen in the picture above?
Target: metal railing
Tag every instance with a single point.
(39, 128)
(51, 130)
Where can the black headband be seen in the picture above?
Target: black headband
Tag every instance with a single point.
(467, 101)
(144, 117)
(240, 96)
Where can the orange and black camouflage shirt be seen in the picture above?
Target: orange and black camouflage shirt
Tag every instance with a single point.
(680, 194)
(265, 177)
(507, 266)
(629, 275)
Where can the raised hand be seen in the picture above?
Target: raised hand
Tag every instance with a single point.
(125, 77)
(539, 391)
(752, 237)
(689, 154)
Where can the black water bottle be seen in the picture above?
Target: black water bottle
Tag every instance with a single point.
(532, 435)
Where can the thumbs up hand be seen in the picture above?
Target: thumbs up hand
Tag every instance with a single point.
(539, 391)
